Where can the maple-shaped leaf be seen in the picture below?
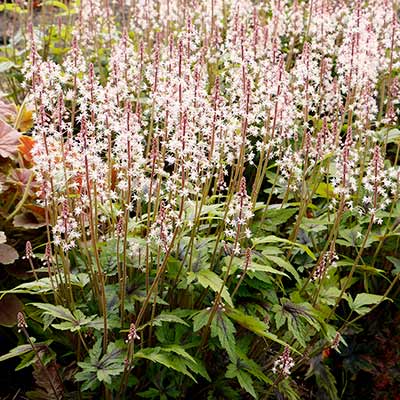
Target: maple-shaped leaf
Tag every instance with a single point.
(20, 178)
(3, 180)
(9, 140)
(25, 147)
(37, 211)
(25, 120)
(10, 305)
(49, 385)
(7, 111)
(7, 254)
(28, 220)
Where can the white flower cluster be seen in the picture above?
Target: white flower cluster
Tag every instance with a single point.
(284, 363)
(178, 111)
(238, 215)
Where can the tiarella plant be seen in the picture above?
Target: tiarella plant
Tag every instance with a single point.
(215, 186)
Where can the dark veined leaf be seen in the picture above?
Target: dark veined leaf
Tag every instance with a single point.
(223, 327)
(27, 220)
(8, 111)
(43, 285)
(288, 391)
(48, 384)
(55, 311)
(23, 349)
(96, 369)
(16, 352)
(324, 376)
(72, 321)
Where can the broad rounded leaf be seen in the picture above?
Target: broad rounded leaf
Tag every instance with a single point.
(7, 254)
(27, 220)
(10, 305)
(26, 146)
(363, 300)
(9, 140)
(7, 111)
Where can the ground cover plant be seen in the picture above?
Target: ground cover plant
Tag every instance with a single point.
(199, 199)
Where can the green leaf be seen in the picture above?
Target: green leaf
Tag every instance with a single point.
(96, 369)
(325, 190)
(280, 318)
(393, 136)
(103, 376)
(43, 285)
(65, 326)
(35, 287)
(198, 368)
(55, 3)
(256, 326)
(95, 352)
(180, 360)
(254, 369)
(16, 352)
(13, 8)
(365, 299)
(6, 65)
(243, 378)
(177, 349)
(276, 239)
(200, 319)
(210, 279)
(285, 265)
(165, 317)
(279, 216)
(55, 311)
(396, 262)
(249, 322)
(330, 295)
(265, 268)
(27, 360)
(168, 360)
